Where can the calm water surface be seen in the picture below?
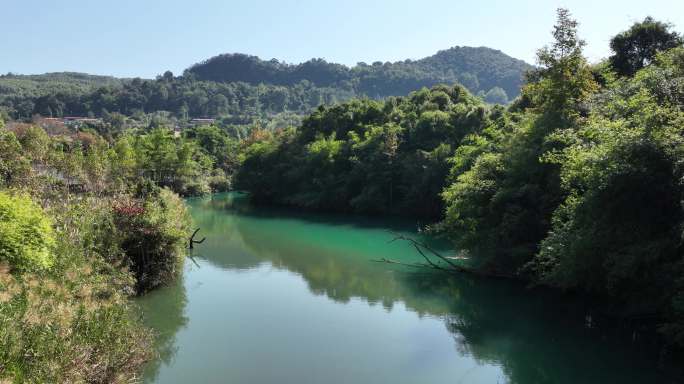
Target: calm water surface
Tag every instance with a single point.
(276, 296)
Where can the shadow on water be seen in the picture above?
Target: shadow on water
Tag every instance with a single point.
(535, 338)
(237, 203)
(164, 312)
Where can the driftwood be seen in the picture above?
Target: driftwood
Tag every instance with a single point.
(429, 254)
(441, 263)
(192, 240)
(389, 261)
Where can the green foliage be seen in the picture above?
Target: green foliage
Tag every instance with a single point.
(65, 314)
(151, 232)
(638, 46)
(476, 68)
(196, 163)
(366, 156)
(618, 232)
(181, 97)
(578, 186)
(13, 165)
(564, 79)
(496, 95)
(178, 163)
(72, 323)
(217, 144)
(26, 235)
(240, 89)
(503, 193)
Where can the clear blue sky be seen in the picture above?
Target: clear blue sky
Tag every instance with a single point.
(146, 37)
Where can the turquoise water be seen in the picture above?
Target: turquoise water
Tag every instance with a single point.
(280, 296)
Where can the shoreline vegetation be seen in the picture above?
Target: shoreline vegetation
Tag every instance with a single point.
(576, 185)
(80, 234)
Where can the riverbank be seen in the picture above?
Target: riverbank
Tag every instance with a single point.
(79, 239)
(70, 319)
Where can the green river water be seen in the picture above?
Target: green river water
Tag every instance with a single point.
(277, 296)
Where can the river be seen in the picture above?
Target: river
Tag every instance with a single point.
(279, 296)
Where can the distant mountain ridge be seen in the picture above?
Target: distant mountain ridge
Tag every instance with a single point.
(240, 89)
(480, 69)
(54, 81)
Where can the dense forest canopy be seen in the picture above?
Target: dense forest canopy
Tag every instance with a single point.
(182, 97)
(367, 156)
(241, 88)
(27, 85)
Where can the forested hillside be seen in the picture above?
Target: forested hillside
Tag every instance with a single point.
(481, 70)
(241, 89)
(182, 97)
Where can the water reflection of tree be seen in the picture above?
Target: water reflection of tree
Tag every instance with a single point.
(164, 311)
(533, 337)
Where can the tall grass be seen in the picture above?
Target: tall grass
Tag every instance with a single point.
(74, 322)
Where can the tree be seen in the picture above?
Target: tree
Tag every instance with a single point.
(168, 76)
(564, 79)
(496, 95)
(637, 47)
(500, 207)
(217, 144)
(618, 231)
(364, 155)
(13, 164)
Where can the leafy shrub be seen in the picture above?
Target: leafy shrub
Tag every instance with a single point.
(151, 232)
(26, 235)
(72, 323)
(219, 181)
(188, 187)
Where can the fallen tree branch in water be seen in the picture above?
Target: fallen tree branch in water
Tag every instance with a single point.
(419, 246)
(390, 261)
(192, 240)
(425, 251)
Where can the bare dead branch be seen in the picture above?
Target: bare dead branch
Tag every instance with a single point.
(389, 261)
(419, 246)
(427, 258)
(192, 241)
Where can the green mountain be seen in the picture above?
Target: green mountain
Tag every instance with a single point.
(239, 88)
(479, 69)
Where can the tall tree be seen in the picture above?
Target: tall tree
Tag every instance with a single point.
(563, 80)
(637, 47)
(499, 209)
